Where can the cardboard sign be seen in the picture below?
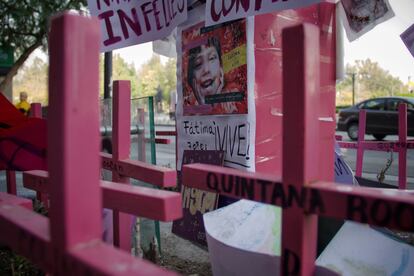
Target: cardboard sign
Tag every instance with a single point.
(126, 23)
(196, 202)
(218, 11)
(408, 38)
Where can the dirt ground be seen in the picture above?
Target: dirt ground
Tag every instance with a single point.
(182, 256)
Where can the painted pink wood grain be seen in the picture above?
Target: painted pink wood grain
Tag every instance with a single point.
(402, 153)
(361, 137)
(152, 174)
(14, 200)
(121, 143)
(134, 200)
(73, 161)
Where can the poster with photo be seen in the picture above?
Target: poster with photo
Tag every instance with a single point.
(363, 15)
(214, 69)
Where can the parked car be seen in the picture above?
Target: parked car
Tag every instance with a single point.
(382, 117)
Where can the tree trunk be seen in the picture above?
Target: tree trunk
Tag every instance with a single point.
(16, 66)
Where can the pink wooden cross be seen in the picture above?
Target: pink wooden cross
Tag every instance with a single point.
(305, 191)
(69, 243)
(123, 167)
(401, 146)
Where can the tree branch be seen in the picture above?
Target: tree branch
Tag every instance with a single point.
(14, 69)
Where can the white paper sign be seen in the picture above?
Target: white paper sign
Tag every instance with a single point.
(218, 11)
(129, 22)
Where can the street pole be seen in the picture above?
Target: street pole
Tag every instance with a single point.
(107, 75)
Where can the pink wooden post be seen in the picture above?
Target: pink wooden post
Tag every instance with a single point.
(141, 135)
(36, 111)
(121, 143)
(300, 153)
(11, 182)
(393, 209)
(402, 153)
(73, 104)
(361, 137)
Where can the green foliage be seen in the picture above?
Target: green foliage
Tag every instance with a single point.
(33, 79)
(24, 26)
(153, 74)
(122, 70)
(23, 23)
(370, 81)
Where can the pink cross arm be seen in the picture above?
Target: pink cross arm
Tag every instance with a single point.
(26, 232)
(386, 207)
(14, 200)
(139, 201)
(152, 174)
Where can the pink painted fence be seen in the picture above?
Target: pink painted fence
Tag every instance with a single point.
(69, 243)
(302, 191)
(401, 146)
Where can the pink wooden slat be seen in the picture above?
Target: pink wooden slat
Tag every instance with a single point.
(164, 141)
(152, 174)
(378, 146)
(121, 142)
(143, 202)
(139, 201)
(27, 233)
(361, 137)
(402, 138)
(36, 110)
(389, 208)
(300, 152)
(14, 200)
(11, 182)
(73, 131)
(165, 133)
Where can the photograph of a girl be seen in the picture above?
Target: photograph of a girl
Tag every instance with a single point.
(214, 70)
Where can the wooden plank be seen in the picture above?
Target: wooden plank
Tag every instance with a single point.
(301, 90)
(388, 208)
(134, 200)
(73, 131)
(156, 175)
(14, 200)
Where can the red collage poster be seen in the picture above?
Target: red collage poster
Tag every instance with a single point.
(214, 69)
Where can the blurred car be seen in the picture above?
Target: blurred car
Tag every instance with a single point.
(382, 117)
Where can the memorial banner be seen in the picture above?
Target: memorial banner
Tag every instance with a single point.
(125, 23)
(218, 11)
